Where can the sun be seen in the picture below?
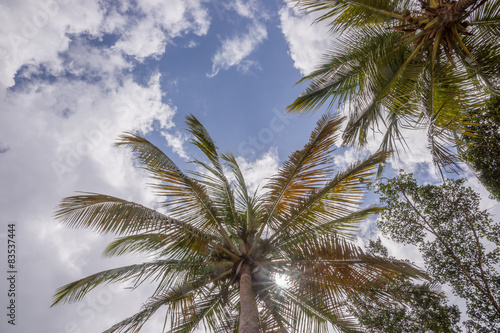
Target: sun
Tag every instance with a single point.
(281, 280)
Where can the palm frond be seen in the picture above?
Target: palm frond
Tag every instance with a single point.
(346, 225)
(337, 199)
(311, 316)
(174, 244)
(480, 55)
(344, 73)
(203, 140)
(241, 186)
(381, 64)
(344, 15)
(275, 311)
(448, 95)
(138, 273)
(487, 15)
(209, 309)
(104, 214)
(174, 296)
(380, 84)
(334, 271)
(250, 204)
(302, 173)
(285, 309)
(188, 199)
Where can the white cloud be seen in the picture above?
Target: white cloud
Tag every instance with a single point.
(36, 31)
(59, 122)
(307, 42)
(176, 142)
(191, 44)
(50, 157)
(248, 9)
(145, 39)
(258, 172)
(412, 156)
(163, 20)
(234, 50)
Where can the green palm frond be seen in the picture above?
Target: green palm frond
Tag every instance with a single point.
(148, 243)
(177, 296)
(480, 55)
(190, 200)
(443, 114)
(312, 316)
(487, 14)
(345, 225)
(249, 204)
(286, 309)
(105, 214)
(220, 184)
(319, 254)
(345, 71)
(275, 313)
(389, 88)
(393, 135)
(176, 244)
(241, 186)
(346, 14)
(388, 54)
(138, 273)
(208, 309)
(302, 173)
(335, 271)
(336, 200)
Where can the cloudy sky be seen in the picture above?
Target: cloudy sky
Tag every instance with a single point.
(76, 74)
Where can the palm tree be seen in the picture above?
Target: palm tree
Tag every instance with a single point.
(422, 64)
(220, 248)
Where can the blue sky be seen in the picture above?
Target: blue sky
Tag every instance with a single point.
(74, 76)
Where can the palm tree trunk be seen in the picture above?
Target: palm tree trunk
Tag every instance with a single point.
(249, 315)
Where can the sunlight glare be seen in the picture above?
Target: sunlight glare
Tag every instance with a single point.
(281, 280)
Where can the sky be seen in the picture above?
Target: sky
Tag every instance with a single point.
(74, 75)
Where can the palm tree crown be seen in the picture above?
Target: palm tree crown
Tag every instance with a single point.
(220, 248)
(407, 63)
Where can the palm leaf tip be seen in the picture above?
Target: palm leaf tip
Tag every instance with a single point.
(75, 291)
(203, 140)
(67, 294)
(128, 138)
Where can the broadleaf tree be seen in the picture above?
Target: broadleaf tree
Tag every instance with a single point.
(417, 64)
(219, 248)
(459, 242)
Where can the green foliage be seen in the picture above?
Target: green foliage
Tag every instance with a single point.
(482, 152)
(423, 309)
(419, 64)
(458, 241)
(377, 248)
(209, 227)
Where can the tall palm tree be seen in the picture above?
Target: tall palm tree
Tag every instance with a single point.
(407, 63)
(219, 248)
